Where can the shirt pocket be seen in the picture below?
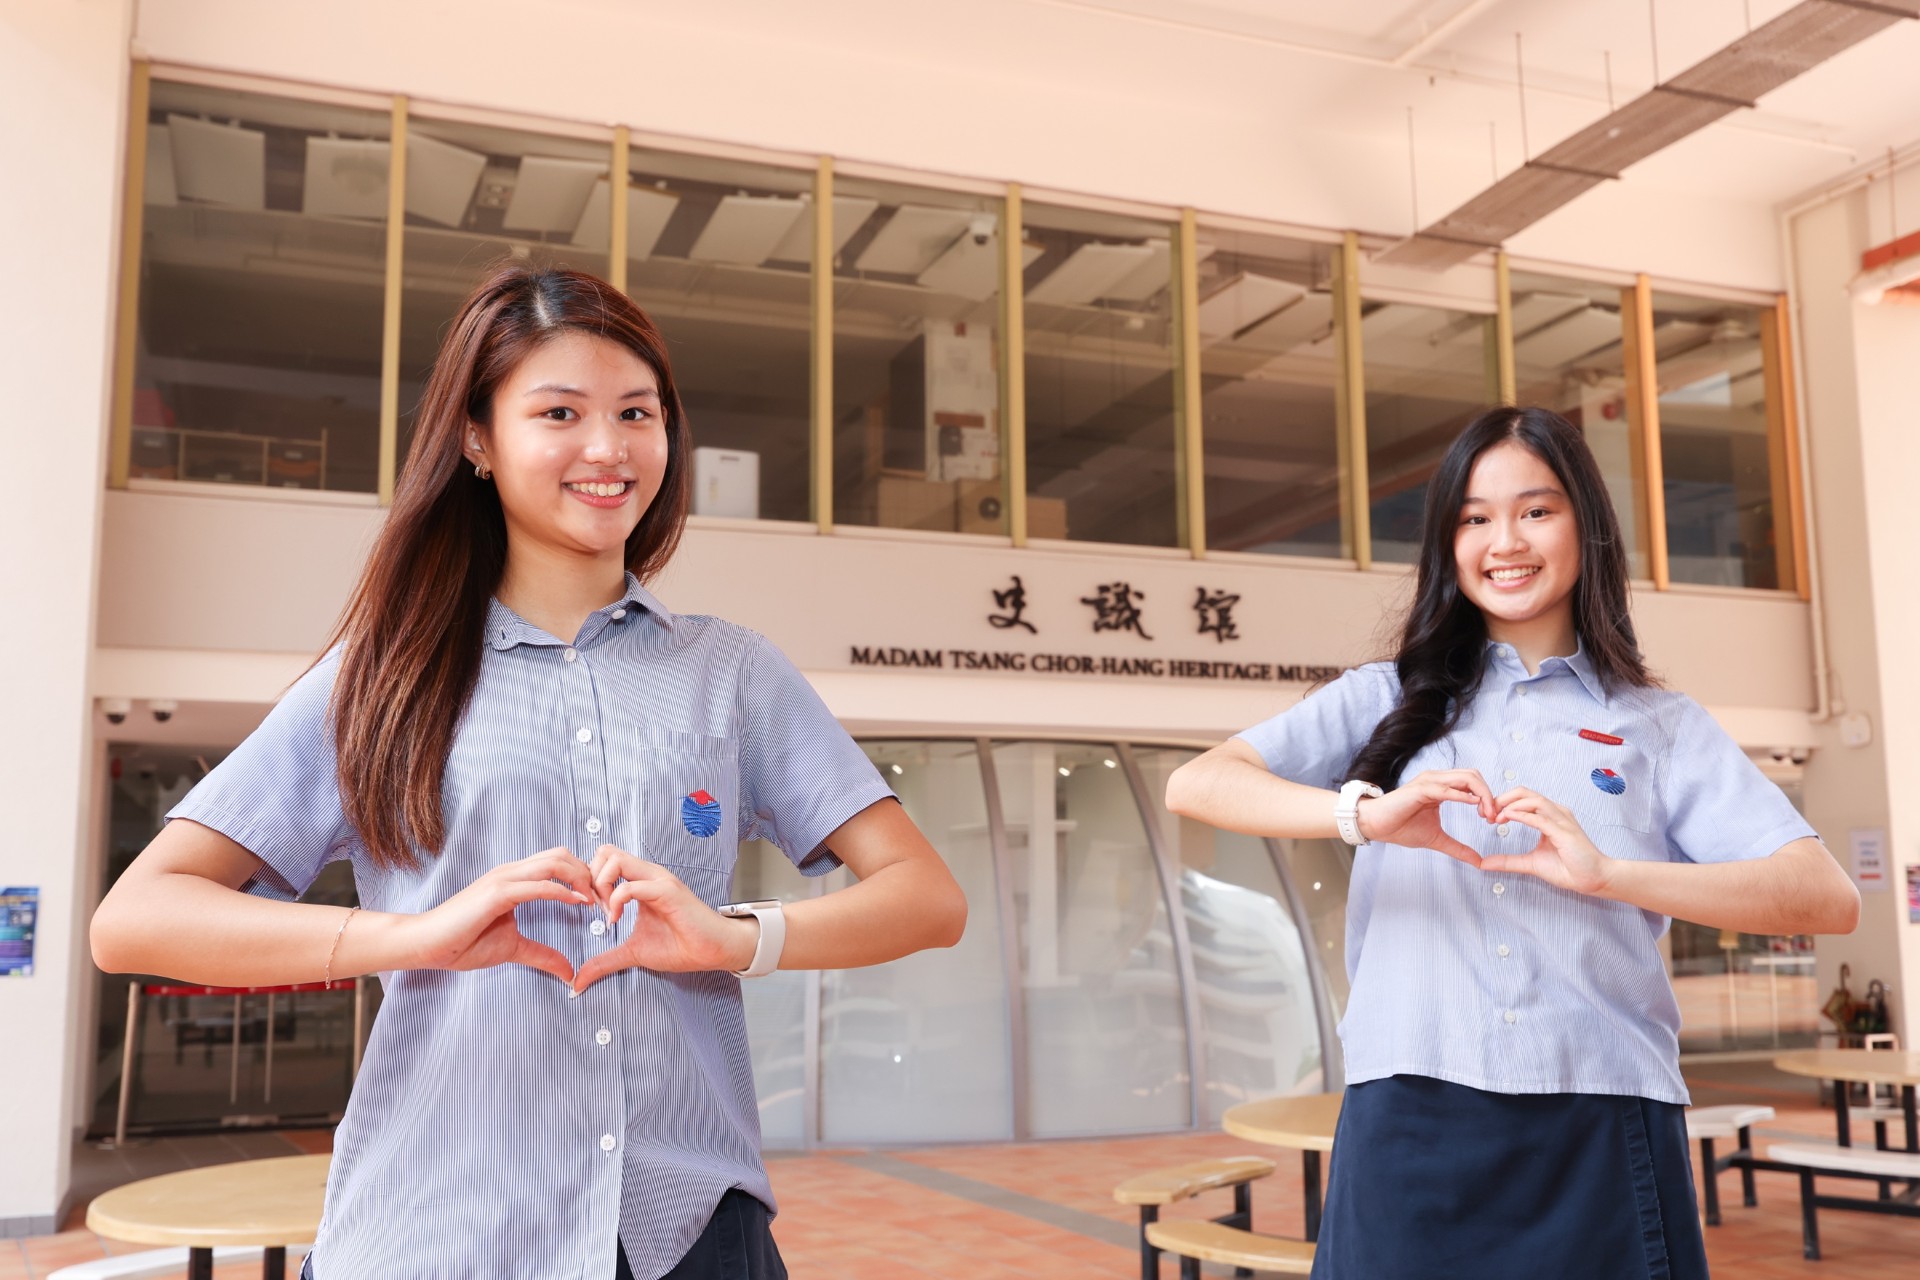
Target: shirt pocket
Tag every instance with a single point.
(1611, 794)
(687, 803)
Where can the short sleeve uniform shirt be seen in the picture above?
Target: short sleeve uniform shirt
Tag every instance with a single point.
(497, 1126)
(1500, 981)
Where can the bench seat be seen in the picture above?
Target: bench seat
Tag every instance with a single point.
(1723, 1122)
(1809, 1159)
(1197, 1242)
(1183, 1182)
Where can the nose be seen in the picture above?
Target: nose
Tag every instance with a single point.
(1509, 536)
(604, 444)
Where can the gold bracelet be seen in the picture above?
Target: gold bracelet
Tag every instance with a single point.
(327, 977)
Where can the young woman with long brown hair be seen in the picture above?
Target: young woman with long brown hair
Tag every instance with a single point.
(1528, 808)
(541, 776)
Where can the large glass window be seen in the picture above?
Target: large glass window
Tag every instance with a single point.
(917, 1050)
(1100, 378)
(262, 263)
(477, 196)
(1106, 1030)
(1723, 480)
(1568, 357)
(719, 253)
(1269, 368)
(1429, 372)
(776, 1005)
(916, 359)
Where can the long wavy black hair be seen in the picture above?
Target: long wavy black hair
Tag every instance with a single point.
(1443, 643)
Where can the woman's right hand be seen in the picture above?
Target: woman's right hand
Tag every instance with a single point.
(475, 928)
(1409, 815)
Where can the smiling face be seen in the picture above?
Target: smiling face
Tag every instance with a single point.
(1516, 549)
(577, 447)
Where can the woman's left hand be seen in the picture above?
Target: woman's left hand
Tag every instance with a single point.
(1564, 858)
(673, 930)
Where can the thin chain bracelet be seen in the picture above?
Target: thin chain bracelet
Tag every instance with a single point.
(327, 978)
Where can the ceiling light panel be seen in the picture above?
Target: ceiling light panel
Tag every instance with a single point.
(1246, 300)
(647, 214)
(913, 238)
(550, 193)
(1090, 272)
(160, 188)
(346, 178)
(440, 179)
(219, 163)
(1569, 338)
(1151, 276)
(1540, 308)
(972, 271)
(1307, 320)
(850, 213)
(745, 229)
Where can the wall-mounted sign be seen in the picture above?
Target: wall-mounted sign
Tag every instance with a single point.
(19, 908)
(1869, 859)
(1913, 894)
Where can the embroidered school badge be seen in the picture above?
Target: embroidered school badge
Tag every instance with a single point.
(1594, 735)
(700, 814)
(1609, 781)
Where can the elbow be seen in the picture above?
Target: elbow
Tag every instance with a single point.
(951, 918)
(1845, 916)
(104, 938)
(1181, 785)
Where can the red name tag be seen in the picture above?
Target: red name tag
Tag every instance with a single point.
(1594, 735)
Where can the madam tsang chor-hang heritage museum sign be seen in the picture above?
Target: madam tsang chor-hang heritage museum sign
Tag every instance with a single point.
(1118, 608)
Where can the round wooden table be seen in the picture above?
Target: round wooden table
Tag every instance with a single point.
(273, 1203)
(1860, 1066)
(1304, 1124)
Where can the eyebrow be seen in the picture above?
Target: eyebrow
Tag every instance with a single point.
(557, 389)
(1524, 493)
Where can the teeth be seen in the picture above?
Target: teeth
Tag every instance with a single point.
(600, 490)
(1510, 575)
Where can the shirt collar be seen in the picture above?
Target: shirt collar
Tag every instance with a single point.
(1577, 662)
(505, 628)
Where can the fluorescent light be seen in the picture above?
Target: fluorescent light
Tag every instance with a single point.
(440, 179)
(913, 238)
(850, 213)
(647, 214)
(1537, 310)
(1305, 321)
(744, 229)
(346, 178)
(160, 188)
(550, 193)
(972, 271)
(1246, 300)
(1569, 338)
(1152, 275)
(219, 163)
(1090, 272)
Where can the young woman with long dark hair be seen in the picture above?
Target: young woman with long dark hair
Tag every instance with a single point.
(1530, 807)
(541, 776)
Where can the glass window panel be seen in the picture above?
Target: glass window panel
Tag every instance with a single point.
(1106, 1033)
(263, 252)
(478, 195)
(1568, 357)
(776, 1005)
(1718, 478)
(1269, 366)
(916, 382)
(1257, 1006)
(1100, 378)
(1429, 372)
(720, 253)
(917, 1050)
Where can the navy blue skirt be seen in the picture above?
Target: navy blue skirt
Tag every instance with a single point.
(1431, 1181)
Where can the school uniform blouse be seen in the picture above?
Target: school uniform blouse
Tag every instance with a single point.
(1501, 981)
(499, 1128)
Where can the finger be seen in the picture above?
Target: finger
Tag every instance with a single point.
(1472, 780)
(1444, 843)
(1525, 864)
(637, 891)
(520, 891)
(1514, 794)
(539, 956)
(598, 967)
(1450, 794)
(549, 864)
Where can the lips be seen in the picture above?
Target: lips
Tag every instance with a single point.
(1509, 576)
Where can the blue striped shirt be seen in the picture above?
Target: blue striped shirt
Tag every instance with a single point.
(1500, 981)
(498, 1128)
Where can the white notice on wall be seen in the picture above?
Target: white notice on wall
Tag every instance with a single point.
(1869, 859)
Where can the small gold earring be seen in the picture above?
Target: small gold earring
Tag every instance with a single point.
(480, 469)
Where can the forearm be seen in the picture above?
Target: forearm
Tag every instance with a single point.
(1226, 790)
(186, 927)
(898, 909)
(1799, 889)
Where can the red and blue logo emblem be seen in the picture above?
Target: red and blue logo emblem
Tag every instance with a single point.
(700, 814)
(1609, 781)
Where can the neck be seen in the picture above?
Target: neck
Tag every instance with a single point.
(1549, 636)
(555, 590)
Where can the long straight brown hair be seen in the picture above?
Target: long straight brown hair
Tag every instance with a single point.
(412, 632)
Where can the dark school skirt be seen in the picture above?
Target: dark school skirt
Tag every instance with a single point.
(1431, 1180)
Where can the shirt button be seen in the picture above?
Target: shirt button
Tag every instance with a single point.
(585, 735)
(1518, 736)
(593, 826)
(1509, 775)
(1523, 691)
(603, 1037)
(1509, 1015)
(570, 655)
(1503, 828)
(619, 615)
(597, 928)
(606, 1139)
(1499, 889)
(1504, 951)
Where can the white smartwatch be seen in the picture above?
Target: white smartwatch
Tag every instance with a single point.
(1346, 810)
(773, 934)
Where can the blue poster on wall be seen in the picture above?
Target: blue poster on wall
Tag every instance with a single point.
(18, 907)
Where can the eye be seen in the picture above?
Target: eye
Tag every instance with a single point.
(1473, 520)
(559, 413)
(1533, 512)
(634, 413)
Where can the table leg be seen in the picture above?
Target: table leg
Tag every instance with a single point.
(273, 1263)
(1912, 1116)
(1310, 1191)
(1840, 1117)
(199, 1264)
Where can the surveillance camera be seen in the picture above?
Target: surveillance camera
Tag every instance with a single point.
(116, 710)
(163, 709)
(981, 228)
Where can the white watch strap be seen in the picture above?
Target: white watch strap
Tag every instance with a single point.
(773, 939)
(1346, 809)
